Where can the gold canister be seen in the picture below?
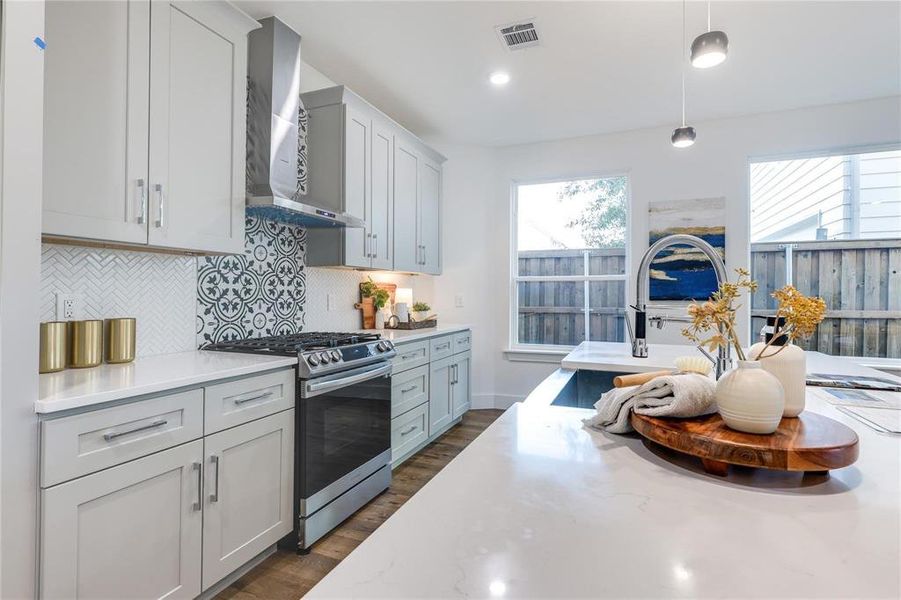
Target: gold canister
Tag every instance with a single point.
(85, 343)
(120, 340)
(53, 347)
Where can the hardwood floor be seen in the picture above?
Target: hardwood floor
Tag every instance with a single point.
(285, 575)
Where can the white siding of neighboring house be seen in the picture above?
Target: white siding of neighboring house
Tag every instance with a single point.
(859, 196)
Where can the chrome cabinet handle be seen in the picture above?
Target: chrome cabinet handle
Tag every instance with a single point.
(410, 430)
(367, 242)
(158, 188)
(463, 341)
(374, 244)
(423, 254)
(214, 497)
(252, 398)
(111, 436)
(142, 189)
(444, 345)
(408, 389)
(199, 468)
(408, 355)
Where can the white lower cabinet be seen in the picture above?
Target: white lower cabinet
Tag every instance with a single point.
(131, 531)
(409, 431)
(249, 488)
(165, 512)
(440, 408)
(461, 395)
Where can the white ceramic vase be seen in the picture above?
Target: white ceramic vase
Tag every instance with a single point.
(789, 366)
(750, 399)
(379, 318)
(420, 315)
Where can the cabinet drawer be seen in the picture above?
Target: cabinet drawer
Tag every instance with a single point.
(441, 347)
(88, 442)
(409, 389)
(237, 402)
(408, 431)
(462, 341)
(409, 355)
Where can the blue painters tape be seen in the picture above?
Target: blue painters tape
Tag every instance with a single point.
(40, 43)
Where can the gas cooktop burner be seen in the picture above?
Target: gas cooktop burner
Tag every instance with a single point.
(294, 343)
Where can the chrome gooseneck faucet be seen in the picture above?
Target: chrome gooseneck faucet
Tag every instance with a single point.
(638, 335)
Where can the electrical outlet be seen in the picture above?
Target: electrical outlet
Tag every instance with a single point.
(331, 302)
(68, 307)
(458, 300)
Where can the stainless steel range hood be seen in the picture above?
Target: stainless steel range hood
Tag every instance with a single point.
(273, 100)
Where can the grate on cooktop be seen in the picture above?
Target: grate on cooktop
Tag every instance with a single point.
(290, 344)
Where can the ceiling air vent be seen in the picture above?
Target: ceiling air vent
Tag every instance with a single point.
(517, 36)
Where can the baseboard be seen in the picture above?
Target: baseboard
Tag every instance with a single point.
(501, 401)
(237, 573)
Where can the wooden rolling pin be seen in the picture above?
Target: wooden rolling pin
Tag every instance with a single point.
(637, 378)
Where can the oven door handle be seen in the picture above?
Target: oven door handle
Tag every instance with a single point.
(315, 388)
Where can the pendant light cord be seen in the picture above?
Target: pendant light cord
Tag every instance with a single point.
(708, 16)
(682, 62)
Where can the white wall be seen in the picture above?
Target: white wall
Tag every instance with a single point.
(21, 132)
(477, 201)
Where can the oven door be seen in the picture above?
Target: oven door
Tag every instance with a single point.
(344, 421)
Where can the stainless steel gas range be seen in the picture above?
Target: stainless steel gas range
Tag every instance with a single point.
(343, 432)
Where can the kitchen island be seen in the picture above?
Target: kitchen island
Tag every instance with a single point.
(539, 506)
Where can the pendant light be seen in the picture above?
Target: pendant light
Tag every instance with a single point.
(709, 49)
(684, 136)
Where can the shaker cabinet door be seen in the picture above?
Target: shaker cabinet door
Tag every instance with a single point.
(440, 407)
(406, 220)
(382, 197)
(357, 201)
(96, 107)
(198, 94)
(131, 531)
(429, 199)
(461, 386)
(248, 494)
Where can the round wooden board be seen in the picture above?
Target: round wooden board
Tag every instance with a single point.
(810, 442)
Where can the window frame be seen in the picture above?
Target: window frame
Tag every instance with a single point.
(513, 343)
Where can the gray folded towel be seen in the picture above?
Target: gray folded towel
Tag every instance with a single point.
(679, 395)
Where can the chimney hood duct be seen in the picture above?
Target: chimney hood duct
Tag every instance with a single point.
(273, 102)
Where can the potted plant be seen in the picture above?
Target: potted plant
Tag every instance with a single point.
(420, 311)
(748, 398)
(379, 298)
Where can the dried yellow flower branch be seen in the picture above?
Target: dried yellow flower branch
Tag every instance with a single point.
(718, 313)
(802, 315)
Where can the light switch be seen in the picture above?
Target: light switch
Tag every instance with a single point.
(458, 300)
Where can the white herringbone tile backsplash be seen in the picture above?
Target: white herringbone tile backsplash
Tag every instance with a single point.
(159, 290)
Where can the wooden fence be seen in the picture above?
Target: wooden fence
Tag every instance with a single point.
(554, 312)
(859, 280)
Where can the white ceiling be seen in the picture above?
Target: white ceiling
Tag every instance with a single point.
(601, 66)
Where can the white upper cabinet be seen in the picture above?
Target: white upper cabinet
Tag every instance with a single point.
(145, 123)
(381, 229)
(406, 207)
(428, 212)
(96, 107)
(363, 163)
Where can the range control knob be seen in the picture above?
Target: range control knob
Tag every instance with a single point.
(324, 357)
(383, 347)
(336, 356)
(313, 360)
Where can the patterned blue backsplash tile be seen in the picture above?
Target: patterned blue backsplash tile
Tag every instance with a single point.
(258, 293)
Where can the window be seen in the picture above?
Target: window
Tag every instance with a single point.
(831, 226)
(569, 261)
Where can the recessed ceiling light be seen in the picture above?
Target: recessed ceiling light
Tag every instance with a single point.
(499, 78)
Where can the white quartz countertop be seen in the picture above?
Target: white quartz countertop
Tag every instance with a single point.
(400, 336)
(617, 357)
(539, 506)
(77, 388)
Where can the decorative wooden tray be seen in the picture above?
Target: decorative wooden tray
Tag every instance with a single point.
(810, 442)
(415, 324)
